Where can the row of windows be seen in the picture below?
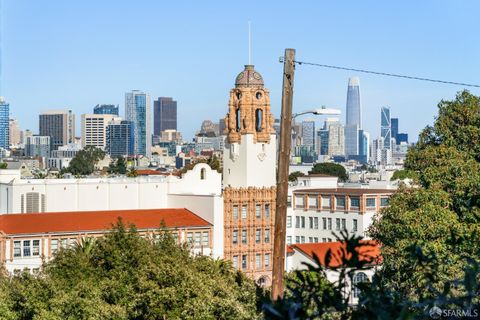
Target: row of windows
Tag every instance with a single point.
(340, 223)
(258, 236)
(258, 261)
(26, 248)
(258, 211)
(198, 238)
(301, 239)
(339, 202)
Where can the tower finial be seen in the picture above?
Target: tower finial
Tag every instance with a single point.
(249, 43)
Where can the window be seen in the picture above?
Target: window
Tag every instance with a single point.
(354, 225)
(340, 202)
(297, 239)
(189, 237)
(289, 239)
(258, 261)
(235, 212)
(303, 222)
(289, 201)
(244, 211)
(315, 239)
(371, 203)
(258, 117)
(357, 279)
(315, 223)
(297, 222)
(329, 223)
(258, 235)
(310, 239)
(244, 236)
(344, 224)
(337, 224)
(289, 221)
(72, 242)
(354, 202)
(267, 211)
(205, 238)
(244, 261)
(267, 235)
(324, 239)
(258, 211)
(312, 201)
(324, 220)
(384, 202)
(54, 245)
(329, 239)
(63, 243)
(326, 202)
(235, 236)
(235, 262)
(26, 248)
(302, 239)
(310, 220)
(203, 174)
(17, 248)
(267, 260)
(35, 247)
(238, 118)
(299, 202)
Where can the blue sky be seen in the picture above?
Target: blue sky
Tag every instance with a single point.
(76, 54)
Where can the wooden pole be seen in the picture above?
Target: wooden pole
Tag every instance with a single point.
(282, 175)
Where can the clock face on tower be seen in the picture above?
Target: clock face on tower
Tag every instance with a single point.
(240, 76)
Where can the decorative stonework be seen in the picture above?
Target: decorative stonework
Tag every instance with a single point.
(249, 108)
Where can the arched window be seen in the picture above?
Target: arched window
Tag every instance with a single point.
(203, 174)
(258, 120)
(358, 278)
(239, 114)
(262, 282)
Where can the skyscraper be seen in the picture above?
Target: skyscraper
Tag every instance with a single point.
(4, 124)
(308, 133)
(37, 146)
(120, 138)
(15, 132)
(94, 129)
(59, 125)
(164, 114)
(386, 127)
(138, 109)
(354, 117)
(106, 109)
(394, 132)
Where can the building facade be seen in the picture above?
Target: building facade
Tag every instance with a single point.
(249, 177)
(120, 138)
(106, 109)
(385, 127)
(164, 114)
(59, 125)
(37, 146)
(14, 132)
(138, 109)
(94, 129)
(4, 124)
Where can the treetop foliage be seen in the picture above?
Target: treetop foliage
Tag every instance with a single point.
(331, 169)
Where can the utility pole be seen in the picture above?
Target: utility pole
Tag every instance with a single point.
(282, 175)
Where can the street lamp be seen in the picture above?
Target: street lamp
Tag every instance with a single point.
(318, 112)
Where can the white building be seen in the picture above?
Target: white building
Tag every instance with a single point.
(94, 129)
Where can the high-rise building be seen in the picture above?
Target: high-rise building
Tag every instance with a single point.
(37, 146)
(402, 137)
(386, 128)
(14, 132)
(4, 124)
(363, 146)
(106, 109)
(138, 109)
(120, 138)
(249, 177)
(164, 114)
(221, 126)
(336, 137)
(308, 133)
(354, 117)
(59, 125)
(94, 129)
(394, 127)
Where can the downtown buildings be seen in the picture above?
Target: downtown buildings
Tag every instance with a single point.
(59, 125)
(138, 110)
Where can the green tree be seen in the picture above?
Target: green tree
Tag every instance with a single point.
(118, 166)
(331, 169)
(125, 276)
(293, 177)
(402, 175)
(85, 160)
(3, 165)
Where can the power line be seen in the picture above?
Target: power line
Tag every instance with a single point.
(387, 74)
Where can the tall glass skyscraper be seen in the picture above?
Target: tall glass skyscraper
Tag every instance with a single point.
(138, 109)
(106, 109)
(386, 128)
(354, 117)
(4, 124)
(120, 138)
(164, 115)
(394, 129)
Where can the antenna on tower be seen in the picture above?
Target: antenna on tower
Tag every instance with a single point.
(249, 43)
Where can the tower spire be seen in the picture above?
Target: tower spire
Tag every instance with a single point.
(249, 42)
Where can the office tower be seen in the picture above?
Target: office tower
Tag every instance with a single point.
(14, 132)
(363, 146)
(394, 127)
(4, 124)
(138, 110)
(164, 114)
(37, 146)
(26, 133)
(386, 128)
(94, 129)
(402, 137)
(106, 109)
(322, 142)
(59, 125)
(336, 137)
(221, 126)
(120, 138)
(249, 178)
(308, 133)
(354, 117)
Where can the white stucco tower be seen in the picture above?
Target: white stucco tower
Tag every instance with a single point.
(249, 155)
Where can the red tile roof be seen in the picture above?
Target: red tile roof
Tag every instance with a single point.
(148, 172)
(50, 222)
(370, 251)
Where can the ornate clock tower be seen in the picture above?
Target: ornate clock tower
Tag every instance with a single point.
(249, 177)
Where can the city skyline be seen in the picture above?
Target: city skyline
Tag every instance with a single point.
(199, 80)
